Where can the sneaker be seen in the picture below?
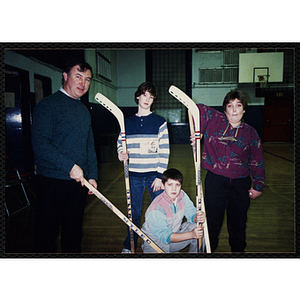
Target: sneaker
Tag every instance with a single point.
(126, 251)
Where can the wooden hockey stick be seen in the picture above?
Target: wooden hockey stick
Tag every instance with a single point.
(194, 111)
(196, 159)
(120, 117)
(126, 220)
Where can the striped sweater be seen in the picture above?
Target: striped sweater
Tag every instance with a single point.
(147, 141)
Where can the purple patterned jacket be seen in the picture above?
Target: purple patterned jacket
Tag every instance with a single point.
(232, 159)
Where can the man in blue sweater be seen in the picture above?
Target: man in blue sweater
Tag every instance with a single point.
(63, 145)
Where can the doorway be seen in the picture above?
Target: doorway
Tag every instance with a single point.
(19, 105)
(279, 118)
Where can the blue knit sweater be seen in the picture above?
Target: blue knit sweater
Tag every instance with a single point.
(62, 136)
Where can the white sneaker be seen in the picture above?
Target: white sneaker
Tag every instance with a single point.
(126, 251)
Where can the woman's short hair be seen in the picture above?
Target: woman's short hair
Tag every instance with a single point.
(172, 174)
(143, 88)
(235, 94)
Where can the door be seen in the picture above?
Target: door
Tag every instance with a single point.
(278, 119)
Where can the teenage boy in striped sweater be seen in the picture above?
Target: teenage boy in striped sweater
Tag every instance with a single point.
(147, 150)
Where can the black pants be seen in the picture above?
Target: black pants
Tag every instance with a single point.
(59, 202)
(230, 195)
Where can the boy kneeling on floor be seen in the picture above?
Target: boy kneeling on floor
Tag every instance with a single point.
(163, 219)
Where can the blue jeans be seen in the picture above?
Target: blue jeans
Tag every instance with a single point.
(137, 189)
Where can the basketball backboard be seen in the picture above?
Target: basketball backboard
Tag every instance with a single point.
(255, 66)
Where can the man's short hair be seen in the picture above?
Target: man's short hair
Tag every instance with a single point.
(235, 94)
(143, 88)
(83, 66)
(172, 174)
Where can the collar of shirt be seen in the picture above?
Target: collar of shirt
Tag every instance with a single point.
(241, 125)
(63, 91)
(164, 196)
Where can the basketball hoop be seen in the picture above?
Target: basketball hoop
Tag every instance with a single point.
(261, 76)
(263, 80)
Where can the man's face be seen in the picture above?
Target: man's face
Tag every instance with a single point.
(172, 188)
(77, 83)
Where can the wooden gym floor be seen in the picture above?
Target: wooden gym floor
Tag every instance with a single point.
(271, 218)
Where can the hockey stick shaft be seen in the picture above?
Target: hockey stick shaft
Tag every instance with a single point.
(198, 200)
(128, 194)
(192, 131)
(114, 109)
(128, 222)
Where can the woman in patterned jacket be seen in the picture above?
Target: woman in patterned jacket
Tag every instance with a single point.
(232, 151)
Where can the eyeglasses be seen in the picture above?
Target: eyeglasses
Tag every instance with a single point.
(229, 138)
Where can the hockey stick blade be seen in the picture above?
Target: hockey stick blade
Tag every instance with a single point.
(114, 109)
(188, 103)
(129, 223)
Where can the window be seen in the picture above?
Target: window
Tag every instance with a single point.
(103, 67)
(224, 74)
(218, 75)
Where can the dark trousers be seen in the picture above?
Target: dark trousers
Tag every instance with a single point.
(59, 202)
(230, 195)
